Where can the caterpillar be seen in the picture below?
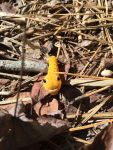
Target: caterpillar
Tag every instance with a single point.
(52, 81)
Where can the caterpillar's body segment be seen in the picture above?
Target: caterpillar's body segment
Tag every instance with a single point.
(52, 81)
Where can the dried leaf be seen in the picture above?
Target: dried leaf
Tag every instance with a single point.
(25, 131)
(85, 43)
(50, 107)
(47, 47)
(103, 141)
(3, 81)
(70, 93)
(8, 8)
(38, 92)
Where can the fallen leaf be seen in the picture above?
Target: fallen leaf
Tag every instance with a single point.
(47, 47)
(24, 131)
(85, 43)
(50, 107)
(103, 141)
(69, 93)
(38, 92)
(3, 81)
(7, 7)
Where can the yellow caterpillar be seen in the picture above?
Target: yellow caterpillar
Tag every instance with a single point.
(52, 81)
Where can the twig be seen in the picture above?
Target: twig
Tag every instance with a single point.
(29, 66)
(89, 94)
(93, 125)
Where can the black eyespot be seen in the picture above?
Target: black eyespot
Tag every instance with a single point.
(44, 80)
(58, 78)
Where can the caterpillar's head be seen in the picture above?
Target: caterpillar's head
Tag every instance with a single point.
(52, 83)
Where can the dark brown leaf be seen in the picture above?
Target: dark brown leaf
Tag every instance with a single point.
(24, 131)
(38, 92)
(103, 141)
(7, 7)
(50, 107)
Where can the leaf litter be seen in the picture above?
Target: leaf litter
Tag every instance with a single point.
(79, 33)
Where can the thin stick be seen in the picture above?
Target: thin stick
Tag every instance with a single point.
(14, 100)
(90, 125)
(91, 59)
(95, 109)
(81, 140)
(105, 115)
(89, 94)
(21, 73)
(84, 76)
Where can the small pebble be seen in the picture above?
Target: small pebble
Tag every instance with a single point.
(107, 73)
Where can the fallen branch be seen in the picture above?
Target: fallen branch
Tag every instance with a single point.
(29, 66)
(91, 82)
